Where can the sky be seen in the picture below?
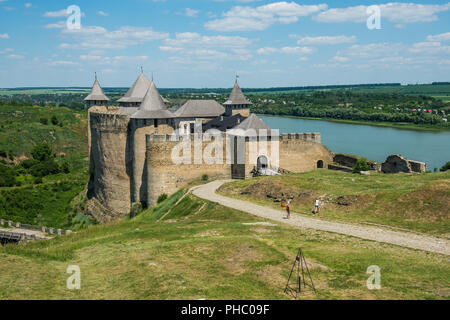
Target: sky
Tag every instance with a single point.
(205, 43)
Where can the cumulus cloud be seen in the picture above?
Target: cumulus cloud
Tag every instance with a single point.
(4, 36)
(394, 11)
(245, 18)
(286, 50)
(93, 37)
(102, 13)
(439, 37)
(325, 40)
(192, 13)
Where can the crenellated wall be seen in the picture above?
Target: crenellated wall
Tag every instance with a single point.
(300, 152)
(131, 161)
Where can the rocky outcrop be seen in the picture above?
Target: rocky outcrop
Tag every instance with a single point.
(397, 163)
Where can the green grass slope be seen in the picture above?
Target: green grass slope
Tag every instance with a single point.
(416, 202)
(201, 250)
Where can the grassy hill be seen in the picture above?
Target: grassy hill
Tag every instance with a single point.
(47, 203)
(416, 202)
(193, 249)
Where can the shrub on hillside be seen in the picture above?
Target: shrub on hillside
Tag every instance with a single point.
(54, 120)
(161, 198)
(42, 152)
(3, 154)
(446, 167)
(7, 176)
(361, 165)
(45, 168)
(205, 177)
(44, 121)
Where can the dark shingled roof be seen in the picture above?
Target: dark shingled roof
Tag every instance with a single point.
(137, 92)
(200, 108)
(252, 122)
(153, 106)
(237, 97)
(96, 93)
(224, 123)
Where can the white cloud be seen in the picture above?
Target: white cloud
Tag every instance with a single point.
(6, 50)
(286, 50)
(102, 13)
(58, 14)
(429, 47)
(372, 50)
(62, 63)
(28, 5)
(340, 59)
(325, 40)
(393, 11)
(15, 56)
(94, 37)
(192, 13)
(241, 18)
(58, 25)
(439, 37)
(192, 39)
(4, 36)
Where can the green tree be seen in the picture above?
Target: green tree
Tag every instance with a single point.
(42, 152)
(44, 121)
(54, 120)
(446, 167)
(361, 165)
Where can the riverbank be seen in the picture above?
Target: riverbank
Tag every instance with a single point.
(395, 125)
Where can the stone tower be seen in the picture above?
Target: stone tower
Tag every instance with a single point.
(237, 102)
(96, 97)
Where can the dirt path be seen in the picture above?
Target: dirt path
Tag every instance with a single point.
(409, 240)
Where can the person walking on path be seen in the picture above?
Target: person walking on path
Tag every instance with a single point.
(288, 209)
(316, 207)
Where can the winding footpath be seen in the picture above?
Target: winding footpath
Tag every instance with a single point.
(404, 239)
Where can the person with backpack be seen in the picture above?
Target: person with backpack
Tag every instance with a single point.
(288, 209)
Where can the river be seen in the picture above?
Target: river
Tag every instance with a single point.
(372, 142)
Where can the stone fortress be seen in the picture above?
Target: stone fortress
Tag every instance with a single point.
(130, 146)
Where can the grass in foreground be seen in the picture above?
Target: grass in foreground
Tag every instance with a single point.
(197, 249)
(415, 202)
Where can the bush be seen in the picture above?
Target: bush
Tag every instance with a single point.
(38, 180)
(42, 152)
(361, 165)
(54, 120)
(161, 198)
(446, 167)
(3, 154)
(136, 208)
(205, 177)
(65, 167)
(44, 121)
(45, 168)
(7, 176)
(27, 164)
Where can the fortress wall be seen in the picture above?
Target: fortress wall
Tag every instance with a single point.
(109, 179)
(164, 176)
(300, 152)
(139, 129)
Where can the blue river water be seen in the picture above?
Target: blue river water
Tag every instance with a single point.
(375, 143)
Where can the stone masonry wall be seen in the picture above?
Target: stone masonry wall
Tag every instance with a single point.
(109, 181)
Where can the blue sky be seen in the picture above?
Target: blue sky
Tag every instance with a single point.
(204, 43)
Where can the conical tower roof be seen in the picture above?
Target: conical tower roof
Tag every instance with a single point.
(153, 106)
(236, 96)
(96, 93)
(137, 92)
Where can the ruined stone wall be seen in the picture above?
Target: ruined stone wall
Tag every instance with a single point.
(164, 176)
(300, 152)
(109, 181)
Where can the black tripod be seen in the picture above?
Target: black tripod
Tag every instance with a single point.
(300, 261)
